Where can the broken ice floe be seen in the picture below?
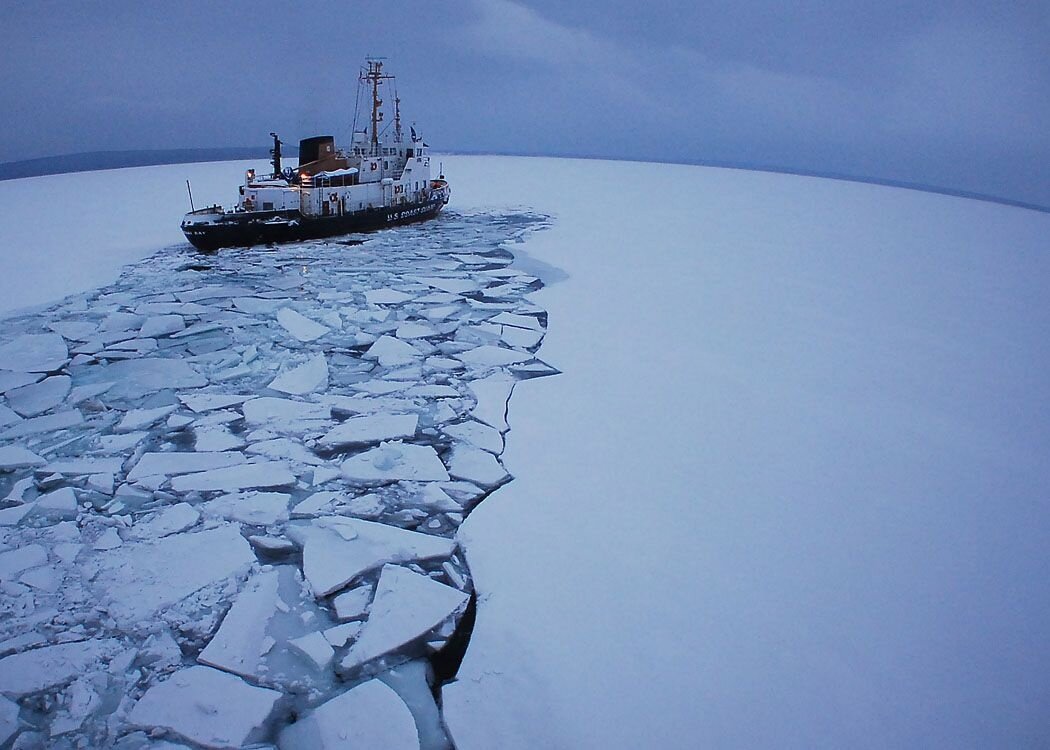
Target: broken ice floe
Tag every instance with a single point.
(231, 489)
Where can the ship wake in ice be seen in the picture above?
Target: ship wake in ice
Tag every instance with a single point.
(231, 487)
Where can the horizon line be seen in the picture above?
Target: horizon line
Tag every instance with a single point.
(42, 166)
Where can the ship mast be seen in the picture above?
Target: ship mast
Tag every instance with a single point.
(375, 76)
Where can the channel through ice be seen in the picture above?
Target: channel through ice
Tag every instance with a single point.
(230, 488)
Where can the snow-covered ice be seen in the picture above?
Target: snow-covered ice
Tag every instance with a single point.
(396, 461)
(337, 550)
(240, 643)
(206, 706)
(240, 477)
(300, 326)
(37, 398)
(34, 352)
(370, 715)
(308, 377)
(48, 666)
(793, 446)
(373, 428)
(139, 579)
(405, 607)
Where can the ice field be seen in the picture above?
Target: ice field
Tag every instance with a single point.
(788, 488)
(232, 484)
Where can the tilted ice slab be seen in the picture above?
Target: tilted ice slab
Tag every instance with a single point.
(284, 414)
(202, 402)
(206, 706)
(492, 394)
(241, 642)
(300, 326)
(392, 352)
(477, 466)
(49, 666)
(34, 352)
(17, 457)
(371, 429)
(405, 607)
(370, 716)
(396, 462)
(134, 378)
(139, 579)
(386, 297)
(34, 399)
(256, 508)
(337, 550)
(233, 478)
(8, 719)
(172, 464)
(518, 321)
(162, 325)
(492, 356)
(46, 423)
(308, 377)
(476, 433)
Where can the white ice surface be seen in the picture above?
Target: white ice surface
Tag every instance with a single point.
(240, 643)
(206, 706)
(406, 606)
(396, 461)
(791, 485)
(308, 377)
(300, 326)
(34, 399)
(170, 464)
(34, 352)
(49, 666)
(337, 550)
(371, 429)
(370, 715)
(232, 478)
(139, 579)
(809, 414)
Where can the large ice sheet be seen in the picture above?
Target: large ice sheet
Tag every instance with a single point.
(300, 326)
(241, 477)
(171, 464)
(17, 457)
(241, 641)
(405, 607)
(337, 550)
(396, 461)
(34, 352)
(49, 666)
(206, 706)
(285, 414)
(477, 466)
(138, 579)
(308, 377)
(371, 429)
(493, 356)
(134, 378)
(492, 394)
(370, 716)
(34, 399)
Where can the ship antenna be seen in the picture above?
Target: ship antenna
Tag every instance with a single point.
(397, 116)
(375, 76)
(357, 105)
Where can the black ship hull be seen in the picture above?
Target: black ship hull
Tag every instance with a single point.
(244, 229)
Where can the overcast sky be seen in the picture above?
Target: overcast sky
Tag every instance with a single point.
(953, 94)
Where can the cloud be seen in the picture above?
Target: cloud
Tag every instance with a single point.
(510, 30)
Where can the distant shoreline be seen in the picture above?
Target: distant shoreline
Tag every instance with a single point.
(98, 160)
